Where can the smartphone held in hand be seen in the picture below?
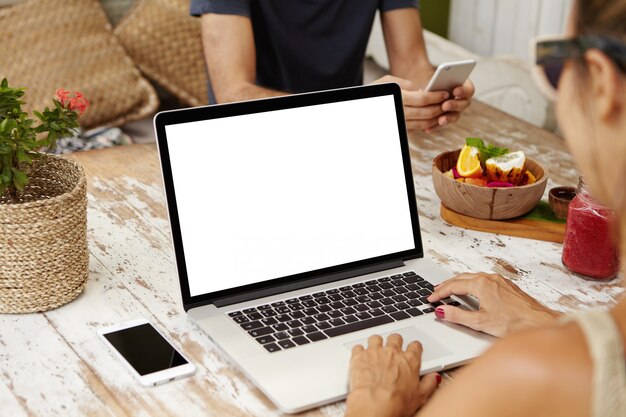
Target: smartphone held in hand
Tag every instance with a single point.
(450, 75)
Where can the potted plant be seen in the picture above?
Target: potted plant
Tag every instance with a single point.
(44, 260)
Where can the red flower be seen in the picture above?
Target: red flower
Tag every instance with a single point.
(62, 96)
(79, 103)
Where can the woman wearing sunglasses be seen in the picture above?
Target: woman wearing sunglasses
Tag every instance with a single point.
(546, 365)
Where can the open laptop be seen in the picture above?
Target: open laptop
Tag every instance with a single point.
(296, 236)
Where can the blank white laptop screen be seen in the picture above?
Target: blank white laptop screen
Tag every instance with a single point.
(272, 194)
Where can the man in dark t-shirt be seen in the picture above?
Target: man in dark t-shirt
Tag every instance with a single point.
(264, 48)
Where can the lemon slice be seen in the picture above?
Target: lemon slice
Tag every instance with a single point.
(468, 164)
(528, 178)
(506, 168)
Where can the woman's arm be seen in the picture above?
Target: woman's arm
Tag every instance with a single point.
(539, 373)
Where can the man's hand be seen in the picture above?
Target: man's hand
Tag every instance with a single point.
(504, 307)
(428, 110)
(461, 100)
(385, 381)
(408, 60)
(422, 109)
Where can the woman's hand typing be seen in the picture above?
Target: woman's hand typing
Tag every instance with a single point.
(504, 307)
(385, 381)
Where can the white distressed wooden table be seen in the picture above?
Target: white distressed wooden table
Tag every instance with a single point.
(52, 364)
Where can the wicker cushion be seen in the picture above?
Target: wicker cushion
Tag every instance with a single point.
(47, 44)
(166, 44)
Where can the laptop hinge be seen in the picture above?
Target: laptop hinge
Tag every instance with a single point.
(309, 282)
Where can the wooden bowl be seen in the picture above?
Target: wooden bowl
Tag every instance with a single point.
(484, 202)
(559, 199)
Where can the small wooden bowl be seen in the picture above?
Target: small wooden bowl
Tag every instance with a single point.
(559, 199)
(485, 202)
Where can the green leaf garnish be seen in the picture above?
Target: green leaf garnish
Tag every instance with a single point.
(485, 151)
(475, 142)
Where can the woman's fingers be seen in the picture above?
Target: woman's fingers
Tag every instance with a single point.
(415, 348)
(471, 319)
(428, 385)
(414, 355)
(394, 341)
(356, 349)
(454, 286)
(374, 341)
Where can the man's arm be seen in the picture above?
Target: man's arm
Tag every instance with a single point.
(405, 44)
(408, 59)
(230, 55)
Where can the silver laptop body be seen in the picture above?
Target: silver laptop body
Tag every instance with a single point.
(296, 236)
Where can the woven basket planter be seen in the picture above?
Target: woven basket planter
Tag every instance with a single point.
(44, 260)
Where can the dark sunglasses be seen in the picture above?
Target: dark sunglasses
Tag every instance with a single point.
(550, 55)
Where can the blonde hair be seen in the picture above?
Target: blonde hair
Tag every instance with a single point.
(606, 18)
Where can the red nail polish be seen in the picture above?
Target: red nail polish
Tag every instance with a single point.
(440, 313)
(438, 378)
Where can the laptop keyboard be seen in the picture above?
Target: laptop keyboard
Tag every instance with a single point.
(335, 312)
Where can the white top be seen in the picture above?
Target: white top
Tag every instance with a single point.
(609, 367)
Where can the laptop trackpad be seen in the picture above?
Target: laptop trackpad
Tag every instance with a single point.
(432, 348)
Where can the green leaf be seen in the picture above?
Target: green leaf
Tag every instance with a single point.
(5, 83)
(23, 156)
(475, 142)
(19, 179)
(485, 151)
(6, 174)
(10, 125)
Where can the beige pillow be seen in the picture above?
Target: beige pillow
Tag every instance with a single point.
(47, 44)
(166, 44)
